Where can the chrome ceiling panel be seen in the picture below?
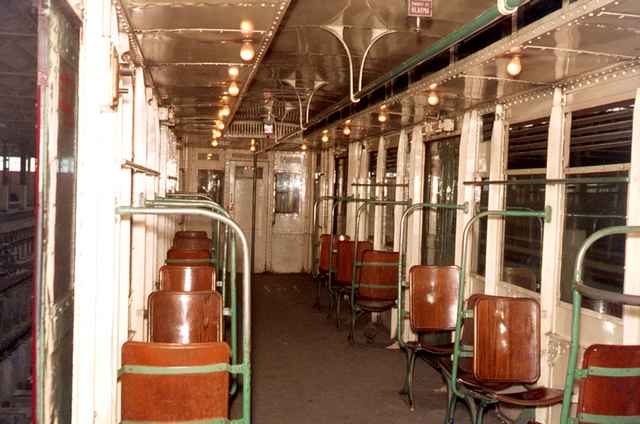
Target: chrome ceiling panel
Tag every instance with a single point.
(590, 37)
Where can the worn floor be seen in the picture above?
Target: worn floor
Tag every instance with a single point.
(305, 371)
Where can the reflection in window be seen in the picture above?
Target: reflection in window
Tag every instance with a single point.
(439, 225)
(288, 187)
(211, 183)
(522, 263)
(589, 208)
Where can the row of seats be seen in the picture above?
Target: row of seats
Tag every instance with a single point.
(182, 372)
(499, 355)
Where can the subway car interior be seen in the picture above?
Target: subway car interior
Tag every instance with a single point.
(338, 211)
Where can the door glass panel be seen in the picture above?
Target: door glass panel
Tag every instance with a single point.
(211, 183)
(288, 193)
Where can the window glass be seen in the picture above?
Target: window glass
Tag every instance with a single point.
(528, 144)
(522, 262)
(589, 208)
(14, 164)
(211, 183)
(288, 187)
(441, 186)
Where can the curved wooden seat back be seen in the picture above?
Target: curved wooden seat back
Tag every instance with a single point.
(192, 244)
(190, 234)
(378, 275)
(521, 276)
(171, 398)
(506, 339)
(433, 298)
(325, 245)
(344, 261)
(185, 317)
(616, 396)
(187, 277)
(177, 254)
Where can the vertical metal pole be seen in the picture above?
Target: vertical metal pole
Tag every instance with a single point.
(253, 211)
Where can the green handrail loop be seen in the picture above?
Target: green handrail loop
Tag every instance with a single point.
(402, 283)
(245, 364)
(229, 240)
(355, 263)
(546, 214)
(579, 290)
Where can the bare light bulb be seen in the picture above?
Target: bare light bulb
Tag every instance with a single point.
(247, 52)
(246, 27)
(225, 111)
(252, 148)
(216, 133)
(433, 99)
(234, 90)
(234, 72)
(214, 143)
(220, 125)
(325, 138)
(346, 131)
(514, 68)
(303, 147)
(382, 117)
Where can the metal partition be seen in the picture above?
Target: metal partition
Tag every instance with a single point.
(242, 368)
(579, 290)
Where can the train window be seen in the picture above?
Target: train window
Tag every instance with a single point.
(522, 260)
(589, 208)
(211, 182)
(528, 144)
(390, 177)
(483, 191)
(340, 190)
(288, 187)
(14, 164)
(439, 225)
(601, 135)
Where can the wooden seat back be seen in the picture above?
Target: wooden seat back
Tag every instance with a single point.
(190, 234)
(615, 396)
(506, 339)
(192, 244)
(344, 261)
(325, 245)
(433, 298)
(378, 275)
(185, 317)
(187, 277)
(171, 398)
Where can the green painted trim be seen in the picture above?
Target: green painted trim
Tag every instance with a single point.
(607, 372)
(180, 370)
(608, 419)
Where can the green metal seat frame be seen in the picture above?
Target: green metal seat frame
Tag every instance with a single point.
(573, 371)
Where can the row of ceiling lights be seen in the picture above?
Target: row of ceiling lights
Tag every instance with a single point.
(247, 53)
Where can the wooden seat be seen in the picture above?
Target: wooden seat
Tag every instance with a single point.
(504, 333)
(171, 398)
(433, 299)
(325, 246)
(185, 317)
(187, 277)
(192, 244)
(610, 396)
(344, 265)
(190, 234)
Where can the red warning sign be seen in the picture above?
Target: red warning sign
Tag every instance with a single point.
(421, 8)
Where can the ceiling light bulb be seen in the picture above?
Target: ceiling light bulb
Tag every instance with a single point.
(325, 138)
(234, 90)
(220, 125)
(216, 133)
(348, 121)
(433, 86)
(234, 72)
(382, 117)
(214, 143)
(515, 66)
(303, 147)
(252, 148)
(325, 131)
(226, 111)
(253, 141)
(247, 52)
(346, 131)
(246, 27)
(225, 99)
(433, 99)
